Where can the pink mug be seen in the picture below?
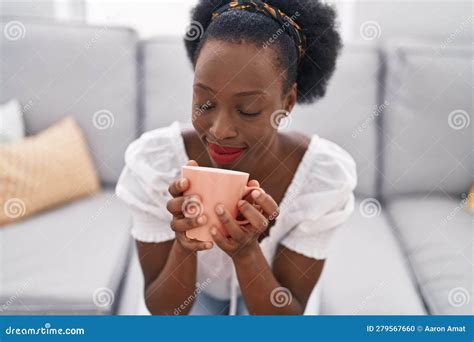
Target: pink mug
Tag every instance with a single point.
(213, 185)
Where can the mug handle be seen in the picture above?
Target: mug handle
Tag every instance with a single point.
(247, 191)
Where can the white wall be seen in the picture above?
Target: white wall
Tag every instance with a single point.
(30, 8)
(148, 17)
(44, 9)
(438, 20)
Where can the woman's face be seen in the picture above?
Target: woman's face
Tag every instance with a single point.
(237, 87)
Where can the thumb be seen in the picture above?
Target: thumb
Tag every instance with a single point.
(191, 163)
(253, 182)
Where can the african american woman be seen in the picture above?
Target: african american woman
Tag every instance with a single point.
(254, 59)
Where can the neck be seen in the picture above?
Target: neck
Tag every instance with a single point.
(268, 164)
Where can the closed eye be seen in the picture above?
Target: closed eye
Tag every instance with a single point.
(204, 106)
(247, 113)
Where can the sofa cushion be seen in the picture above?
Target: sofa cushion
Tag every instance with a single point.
(365, 272)
(12, 127)
(132, 301)
(70, 260)
(437, 236)
(89, 72)
(45, 170)
(427, 124)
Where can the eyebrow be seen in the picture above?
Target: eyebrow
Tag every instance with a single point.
(205, 87)
(251, 92)
(242, 93)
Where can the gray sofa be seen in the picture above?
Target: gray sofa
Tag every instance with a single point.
(407, 248)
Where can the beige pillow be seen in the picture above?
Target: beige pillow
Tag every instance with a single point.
(44, 170)
(470, 200)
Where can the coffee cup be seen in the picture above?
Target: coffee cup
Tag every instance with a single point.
(213, 186)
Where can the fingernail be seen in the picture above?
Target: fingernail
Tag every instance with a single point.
(201, 219)
(208, 245)
(183, 182)
(220, 209)
(256, 194)
(213, 231)
(240, 203)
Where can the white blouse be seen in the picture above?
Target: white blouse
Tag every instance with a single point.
(318, 199)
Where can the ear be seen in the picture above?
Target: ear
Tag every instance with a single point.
(290, 99)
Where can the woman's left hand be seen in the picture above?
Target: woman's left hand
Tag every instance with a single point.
(244, 239)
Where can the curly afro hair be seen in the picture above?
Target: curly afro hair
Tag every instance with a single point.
(316, 19)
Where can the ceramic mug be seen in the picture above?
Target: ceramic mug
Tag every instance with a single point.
(214, 186)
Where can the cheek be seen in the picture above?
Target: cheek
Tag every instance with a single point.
(260, 131)
(199, 123)
(201, 120)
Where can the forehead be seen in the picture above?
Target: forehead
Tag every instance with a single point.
(224, 65)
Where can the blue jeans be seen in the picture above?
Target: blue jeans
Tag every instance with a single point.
(205, 305)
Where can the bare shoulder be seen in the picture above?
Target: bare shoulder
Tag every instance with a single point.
(194, 146)
(189, 135)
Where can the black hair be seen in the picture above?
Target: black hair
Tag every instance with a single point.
(316, 19)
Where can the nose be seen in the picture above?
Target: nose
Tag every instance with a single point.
(223, 127)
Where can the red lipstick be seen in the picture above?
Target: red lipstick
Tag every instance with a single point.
(224, 154)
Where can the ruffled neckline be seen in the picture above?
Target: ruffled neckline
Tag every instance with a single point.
(295, 185)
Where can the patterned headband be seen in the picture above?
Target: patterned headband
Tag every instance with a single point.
(287, 23)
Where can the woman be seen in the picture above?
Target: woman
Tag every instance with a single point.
(252, 63)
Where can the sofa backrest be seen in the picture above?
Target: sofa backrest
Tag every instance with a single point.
(348, 113)
(427, 124)
(395, 110)
(349, 104)
(436, 21)
(88, 72)
(167, 82)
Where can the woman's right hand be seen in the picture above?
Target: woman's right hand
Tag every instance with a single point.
(180, 224)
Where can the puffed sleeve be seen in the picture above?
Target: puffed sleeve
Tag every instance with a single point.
(323, 199)
(152, 162)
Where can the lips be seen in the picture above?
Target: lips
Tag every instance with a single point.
(224, 154)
